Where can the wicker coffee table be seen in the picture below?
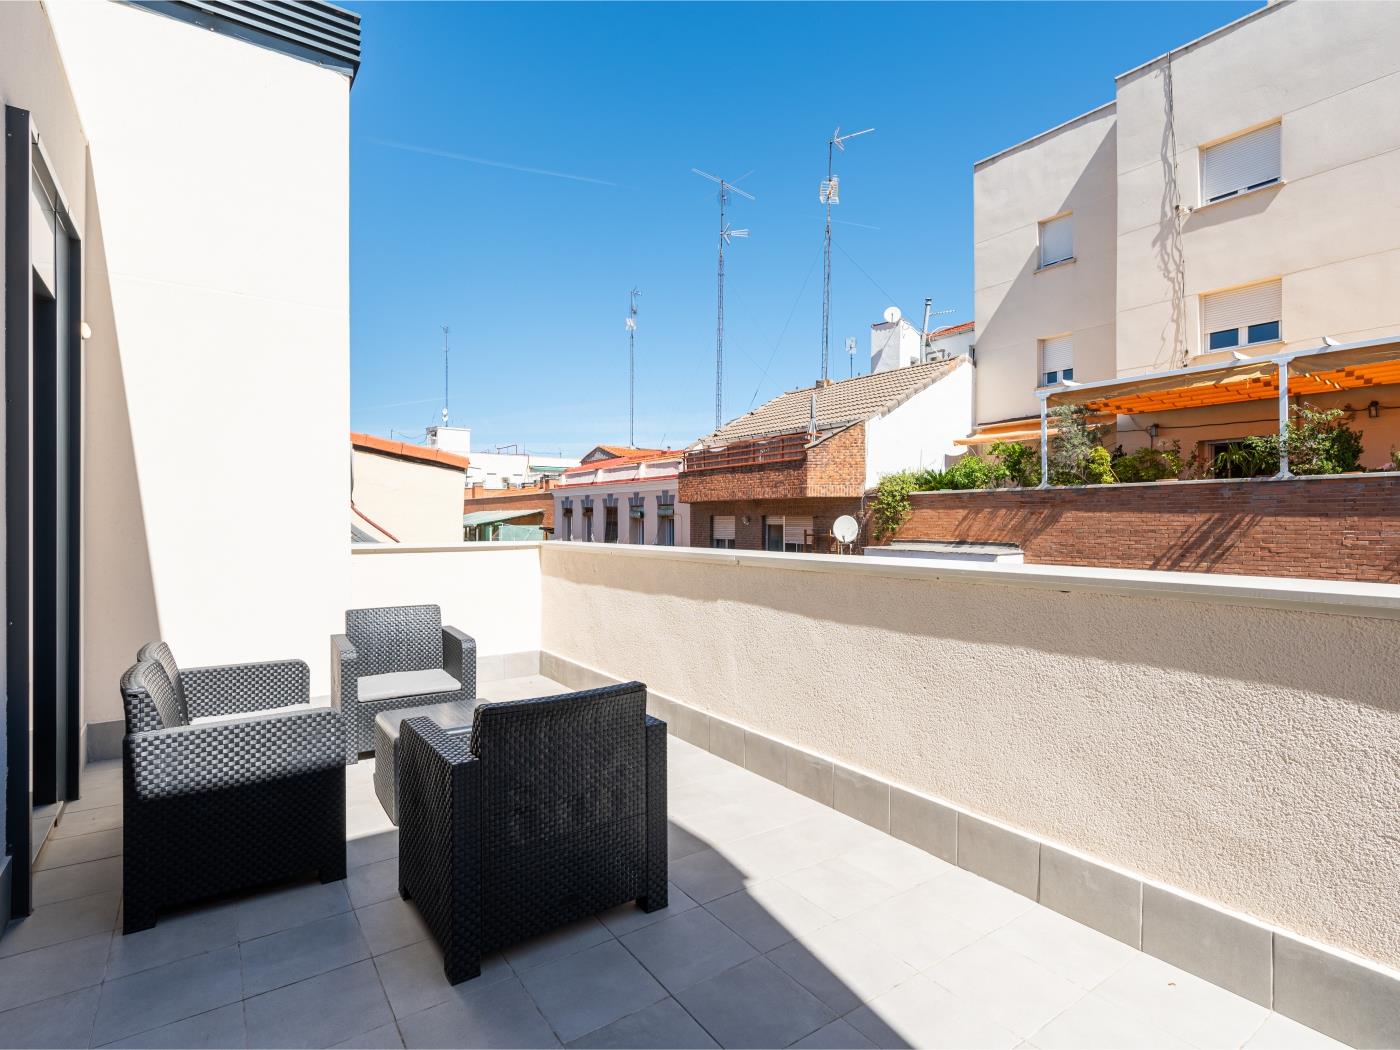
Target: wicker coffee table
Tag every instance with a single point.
(454, 717)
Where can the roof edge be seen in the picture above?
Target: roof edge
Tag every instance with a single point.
(1205, 38)
(1066, 126)
(428, 457)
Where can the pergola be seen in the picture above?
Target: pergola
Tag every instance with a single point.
(1324, 369)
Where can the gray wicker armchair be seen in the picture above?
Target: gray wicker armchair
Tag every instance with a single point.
(229, 780)
(551, 810)
(400, 656)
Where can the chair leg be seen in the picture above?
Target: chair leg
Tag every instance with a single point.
(654, 901)
(461, 966)
(136, 916)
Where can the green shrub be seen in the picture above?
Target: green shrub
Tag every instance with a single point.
(1321, 442)
(1074, 449)
(1395, 459)
(1251, 457)
(1098, 470)
(1022, 462)
(1149, 464)
(891, 505)
(969, 472)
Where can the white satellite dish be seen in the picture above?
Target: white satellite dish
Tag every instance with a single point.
(845, 529)
(892, 315)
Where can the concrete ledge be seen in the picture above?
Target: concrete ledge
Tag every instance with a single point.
(1342, 996)
(507, 665)
(104, 740)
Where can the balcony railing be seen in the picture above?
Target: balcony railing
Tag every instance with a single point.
(784, 448)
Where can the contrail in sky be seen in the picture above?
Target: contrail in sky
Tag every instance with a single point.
(429, 151)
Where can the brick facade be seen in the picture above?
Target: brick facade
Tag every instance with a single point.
(834, 467)
(540, 499)
(750, 537)
(1342, 528)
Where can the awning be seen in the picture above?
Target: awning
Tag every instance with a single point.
(1027, 429)
(490, 517)
(536, 468)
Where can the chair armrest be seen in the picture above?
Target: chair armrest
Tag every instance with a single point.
(345, 677)
(189, 760)
(459, 659)
(238, 688)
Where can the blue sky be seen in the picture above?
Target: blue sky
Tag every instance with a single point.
(532, 270)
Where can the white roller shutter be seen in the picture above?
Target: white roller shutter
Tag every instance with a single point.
(1257, 304)
(722, 527)
(1057, 240)
(1057, 354)
(1240, 163)
(796, 530)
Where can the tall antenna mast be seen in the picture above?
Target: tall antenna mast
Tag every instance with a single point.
(632, 369)
(831, 194)
(725, 233)
(444, 375)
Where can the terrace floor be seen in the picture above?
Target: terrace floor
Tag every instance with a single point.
(789, 925)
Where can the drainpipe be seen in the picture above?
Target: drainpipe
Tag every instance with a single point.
(1044, 443)
(1283, 472)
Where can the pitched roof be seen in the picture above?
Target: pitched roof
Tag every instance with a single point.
(838, 405)
(645, 455)
(952, 329)
(419, 454)
(599, 453)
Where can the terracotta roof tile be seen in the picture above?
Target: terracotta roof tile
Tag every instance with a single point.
(953, 329)
(649, 455)
(403, 450)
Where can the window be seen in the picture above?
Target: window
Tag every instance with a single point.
(636, 532)
(1056, 360)
(568, 525)
(787, 533)
(610, 524)
(1056, 240)
(587, 526)
(666, 531)
(1243, 316)
(722, 532)
(1245, 162)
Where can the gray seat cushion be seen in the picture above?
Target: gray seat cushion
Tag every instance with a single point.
(406, 683)
(233, 716)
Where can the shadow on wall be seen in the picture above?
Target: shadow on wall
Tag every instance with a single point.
(119, 612)
(1100, 627)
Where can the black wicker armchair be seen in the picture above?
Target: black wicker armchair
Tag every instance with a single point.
(401, 656)
(549, 811)
(229, 780)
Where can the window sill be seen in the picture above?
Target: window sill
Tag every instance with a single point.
(1055, 265)
(1254, 350)
(1237, 197)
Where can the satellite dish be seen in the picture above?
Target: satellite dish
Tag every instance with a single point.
(892, 315)
(845, 528)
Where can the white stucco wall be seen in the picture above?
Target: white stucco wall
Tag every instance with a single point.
(920, 432)
(418, 503)
(650, 488)
(490, 590)
(218, 371)
(1163, 723)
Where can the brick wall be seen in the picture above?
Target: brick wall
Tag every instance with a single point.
(1343, 528)
(832, 468)
(750, 537)
(513, 499)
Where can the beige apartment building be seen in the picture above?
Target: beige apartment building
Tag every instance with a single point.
(1234, 201)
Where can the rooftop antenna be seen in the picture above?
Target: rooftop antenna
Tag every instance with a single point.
(851, 353)
(929, 311)
(632, 369)
(725, 233)
(831, 194)
(444, 375)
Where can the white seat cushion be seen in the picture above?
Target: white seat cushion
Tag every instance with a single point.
(234, 715)
(406, 683)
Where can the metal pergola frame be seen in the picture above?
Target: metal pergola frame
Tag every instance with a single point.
(1084, 393)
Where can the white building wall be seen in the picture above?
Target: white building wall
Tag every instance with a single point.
(893, 345)
(958, 345)
(218, 370)
(417, 502)
(650, 488)
(920, 432)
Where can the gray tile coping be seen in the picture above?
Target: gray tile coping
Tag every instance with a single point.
(795, 924)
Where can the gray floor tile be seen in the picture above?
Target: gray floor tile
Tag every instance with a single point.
(661, 1025)
(1008, 989)
(1177, 1003)
(706, 875)
(77, 880)
(687, 949)
(972, 900)
(836, 1036)
(755, 1005)
(63, 1021)
(172, 992)
(769, 914)
(215, 1029)
(86, 821)
(593, 988)
(386, 1038)
(823, 836)
(321, 1011)
(301, 952)
(841, 973)
(567, 940)
(1279, 1033)
(280, 909)
(369, 883)
(391, 924)
(175, 936)
(506, 1017)
(52, 971)
(920, 1013)
(839, 887)
(1063, 946)
(413, 978)
(901, 865)
(1096, 1023)
(79, 849)
(903, 927)
(625, 918)
(681, 843)
(368, 848)
(65, 921)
